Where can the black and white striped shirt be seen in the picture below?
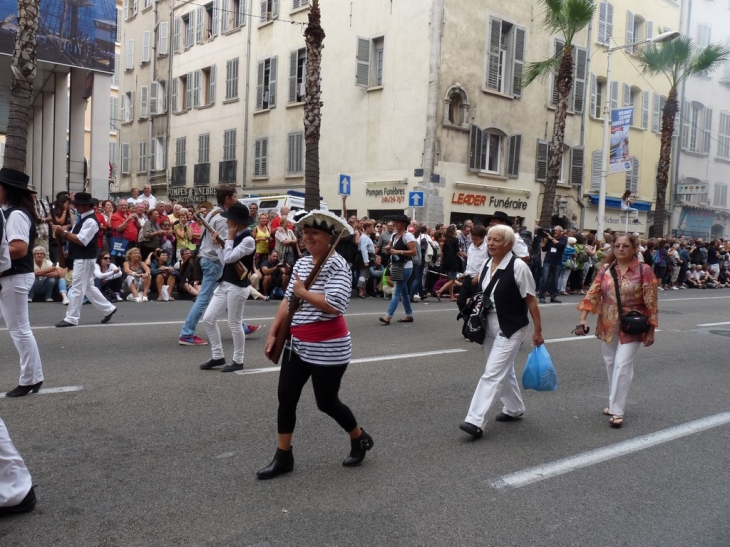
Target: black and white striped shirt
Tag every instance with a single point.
(335, 282)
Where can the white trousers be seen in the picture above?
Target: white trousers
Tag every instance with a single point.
(15, 481)
(233, 297)
(619, 359)
(83, 285)
(498, 380)
(14, 308)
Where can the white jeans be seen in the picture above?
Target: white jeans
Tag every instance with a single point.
(234, 298)
(619, 359)
(498, 380)
(15, 481)
(14, 308)
(83, 285)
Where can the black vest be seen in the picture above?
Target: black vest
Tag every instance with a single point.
(229, 270)
(84, 252)
(24, 264)
(511, 307)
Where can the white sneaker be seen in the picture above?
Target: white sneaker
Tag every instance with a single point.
(145, 299)
(131, 298)
(138, 300)
(660, 288)
(65, 301)
(675, 288)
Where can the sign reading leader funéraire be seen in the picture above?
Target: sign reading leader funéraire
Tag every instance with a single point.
(620, 126)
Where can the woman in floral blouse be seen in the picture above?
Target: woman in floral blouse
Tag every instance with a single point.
(638, 287)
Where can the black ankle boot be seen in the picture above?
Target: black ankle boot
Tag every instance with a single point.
(358, 448)
(283, 462)
(21, 391)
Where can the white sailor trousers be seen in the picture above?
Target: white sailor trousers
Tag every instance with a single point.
(14, 308)
(15, 481)
(498, 380)
(83, 285)
(233, 297)
(619, 359)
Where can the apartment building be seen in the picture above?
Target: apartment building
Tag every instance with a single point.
(699, 199)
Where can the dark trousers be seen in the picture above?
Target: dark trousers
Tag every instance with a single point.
(466, 292)
(549, 280)
(326, 384)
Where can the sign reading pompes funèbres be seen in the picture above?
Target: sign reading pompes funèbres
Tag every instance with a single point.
(478, 200)
(387, 195)
(195, 192)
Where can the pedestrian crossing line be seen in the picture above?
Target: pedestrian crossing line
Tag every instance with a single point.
(593, 457)
(366, 360)
(47, 391)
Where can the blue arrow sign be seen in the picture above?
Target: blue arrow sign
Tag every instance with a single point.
(415, 199)
(345, 185)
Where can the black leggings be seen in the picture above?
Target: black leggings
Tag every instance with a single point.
(326, 384)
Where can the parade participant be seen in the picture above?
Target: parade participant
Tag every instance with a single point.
(512, 295)
(638, 290)
(16, 280)
(520, 249)
(232, 291)
(401, 248)
(16, 486)
(321, 346)
(83, 249)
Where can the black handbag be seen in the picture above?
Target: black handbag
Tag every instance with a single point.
(633, 322)
(475, 325)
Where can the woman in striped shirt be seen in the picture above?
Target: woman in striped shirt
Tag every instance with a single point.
(321, 346)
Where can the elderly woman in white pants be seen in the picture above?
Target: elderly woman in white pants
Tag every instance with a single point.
(638, 290)
(16, 486)
(507, 282)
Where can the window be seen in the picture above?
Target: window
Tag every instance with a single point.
(209, 23)
(144, 99)
(157, 154)
(456, 107)
(112, 157)
(125, 158)
(180, 151)
(129, 7)
(118, 37)
(697, 127)
(199, 22)
(269, 10)
(632, 176)
(370, 57)
(128, 107)
(146, 46)
(703, 40)
(598, 96)
(720, 195)
(147, 4)
(266, 84)
(505, 57)
(633, 98)
(115, 76)
(176, 28)
(296, 4)
(645, 110)
(596, 168)
(113, 113)
(297, 74)
(207, 85)
(129, 65)
(163, 37)
(541, 166)
(188, 28)
(196, 87)
(186, 91)
(605, 23)
(577, 156)
(157, 98)
(614, 94)
(174, 94)
(204, 148)
(723, 137)
(229, 144)
(142, 167)
(232, 80)
(239, 13)
(486, 150)
(261, 157)
(576, 100)
(295, 162)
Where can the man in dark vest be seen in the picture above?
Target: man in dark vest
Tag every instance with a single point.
(82, 252)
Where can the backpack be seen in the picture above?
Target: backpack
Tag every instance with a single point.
(426, 250)
(418, 257)
(581, 255)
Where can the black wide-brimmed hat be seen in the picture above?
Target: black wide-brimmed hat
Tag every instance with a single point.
(398, 218)
(239, 214)
(502, 217)
(12, 178)
(83, 198)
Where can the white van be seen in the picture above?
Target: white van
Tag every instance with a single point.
(295, 202)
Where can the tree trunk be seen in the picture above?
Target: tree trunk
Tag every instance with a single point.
(313, 36)
(662, 172)
(555, 150)
(21, 87)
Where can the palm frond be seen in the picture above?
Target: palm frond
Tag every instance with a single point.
(578, 14)
(540, 70)
(668, 58)
(709, 58)
(554, 15)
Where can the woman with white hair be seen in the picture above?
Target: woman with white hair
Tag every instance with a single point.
(508, 285)
(45, 275)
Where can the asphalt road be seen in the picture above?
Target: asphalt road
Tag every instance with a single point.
(151, 451)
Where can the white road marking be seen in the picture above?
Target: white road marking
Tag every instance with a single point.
(592, 457)
(45, 391)
(570, 339)
(713, 324)
(365, 360)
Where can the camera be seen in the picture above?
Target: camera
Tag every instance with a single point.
(545, 232)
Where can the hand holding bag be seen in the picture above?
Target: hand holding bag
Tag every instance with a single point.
(475, 325)
(539, 373)
(633, 322)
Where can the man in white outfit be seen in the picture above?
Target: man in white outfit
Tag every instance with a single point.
(83, 249)
(16, 485)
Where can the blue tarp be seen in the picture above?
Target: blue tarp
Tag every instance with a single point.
(616, 203)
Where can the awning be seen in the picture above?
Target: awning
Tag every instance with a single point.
(616, 203)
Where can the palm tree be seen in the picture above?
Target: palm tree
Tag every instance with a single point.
(677, 60)
(567, 18)
(313, 37)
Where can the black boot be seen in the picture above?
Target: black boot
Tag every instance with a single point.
(21, 391)
(358, 448)
(283, 462)
(24, 506)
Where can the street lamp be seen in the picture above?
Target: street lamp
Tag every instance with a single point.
(606, 150)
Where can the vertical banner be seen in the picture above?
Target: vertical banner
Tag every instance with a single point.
(620, 126)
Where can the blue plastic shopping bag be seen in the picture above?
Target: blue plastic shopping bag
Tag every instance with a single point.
(539, 373)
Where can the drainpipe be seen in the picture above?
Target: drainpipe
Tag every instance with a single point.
(585, 119)
(246, 99)
(168, 87)
(153, 59)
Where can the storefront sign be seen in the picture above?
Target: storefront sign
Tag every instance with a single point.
(478, 200)
(192, 193)
(616, 221)
(692, 189)
(696, 220)
(393, 194)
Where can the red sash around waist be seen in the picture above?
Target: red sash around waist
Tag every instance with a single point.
(321, 331)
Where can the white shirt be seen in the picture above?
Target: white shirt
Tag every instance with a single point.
(519, 249)
(152, 200)
(475, 258)
(109, 274)
(230, 254)
(88, 229)
(17, 227)
(133, 201)
(523, 277)
(407, 238)
(5, 263)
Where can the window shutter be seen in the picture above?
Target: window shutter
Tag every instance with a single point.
(131, 106)
(626, 96)
(555, 93)
(579, 81)
(576, 165)
(154, 87)
(596, 168)
(146, 46)
(362, 77)
(609, 21)
(629, 31)
(475, 148)
(125, 157)
(143, 101)
(176, 35)
(703, 36)
(294, 164)
(708, 131)
(190, 39)
(135, 4)
(293, 56)
(173, 92)
(594, 95)
(130, 54)
(685, 124)
(649, 30)
(188, 91)
(274, 9)
(264, 11)
(242, 13)
(264, 157)
(198, 24)
(125, 9)
(518, 61)
(196, 88)
(541, 167)
(495, 36)
(272, 82)
(211, 85)
(163, 37)
(217, 17)
(602, 8)
(632, 176)
(614, 95)
(513, 156)
(260, 86)
(161, 154)
(140, 162)
(645, 110)
(123, 114)
(153, 154)
(257, 158)
(656, 115)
